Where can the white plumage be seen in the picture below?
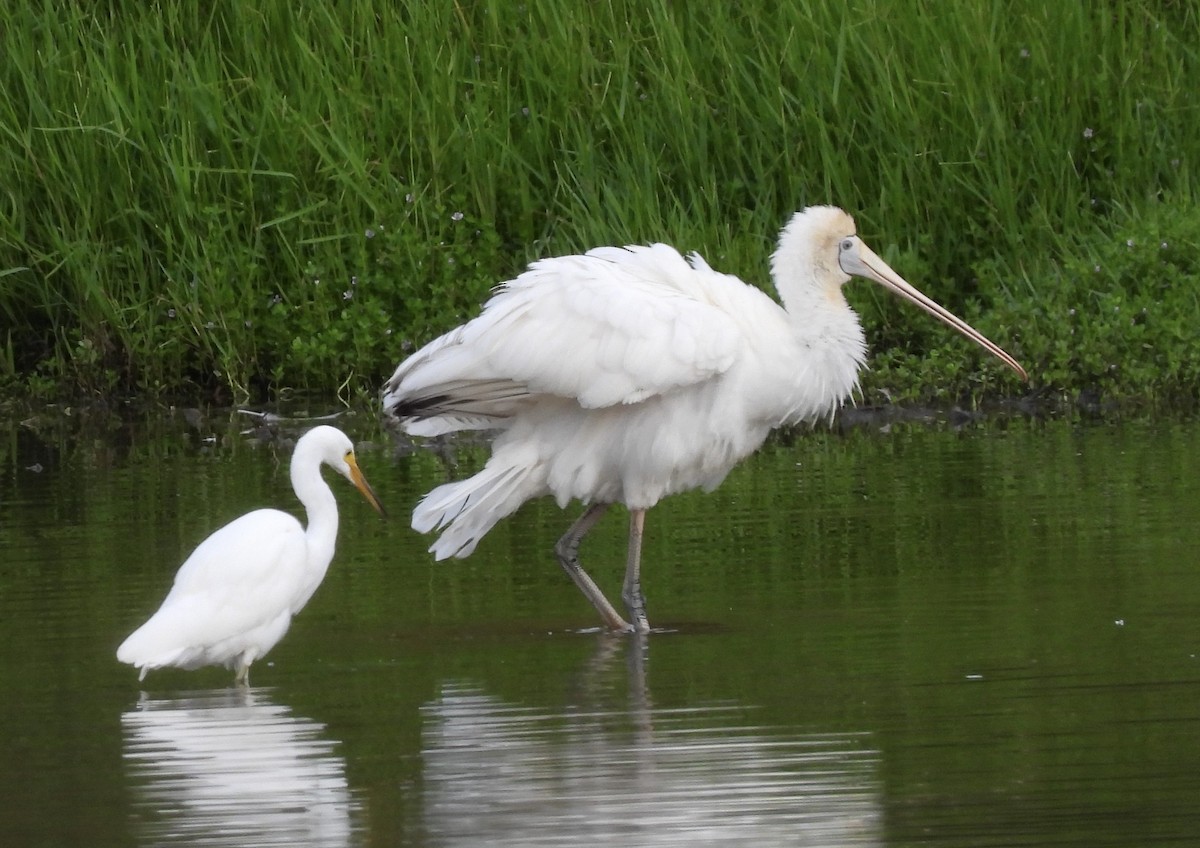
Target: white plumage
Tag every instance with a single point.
(628, 374)
(234, 597)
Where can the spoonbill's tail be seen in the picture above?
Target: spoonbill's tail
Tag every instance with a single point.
(467, 509)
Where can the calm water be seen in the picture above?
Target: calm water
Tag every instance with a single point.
(924, 636)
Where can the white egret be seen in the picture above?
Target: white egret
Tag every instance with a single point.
(234, 597)
(628, 374)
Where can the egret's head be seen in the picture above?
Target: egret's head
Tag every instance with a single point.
(337, 451)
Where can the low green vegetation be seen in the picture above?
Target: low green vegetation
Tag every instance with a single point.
(227, 200)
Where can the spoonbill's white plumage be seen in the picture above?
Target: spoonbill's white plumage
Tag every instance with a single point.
(627, 374)
(234, 597)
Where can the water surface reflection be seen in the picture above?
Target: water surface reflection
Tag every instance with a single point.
(501, 774)
(230, 767)
(982, 637)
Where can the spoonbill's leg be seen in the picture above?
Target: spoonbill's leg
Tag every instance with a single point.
(567, 551)
(632, 590)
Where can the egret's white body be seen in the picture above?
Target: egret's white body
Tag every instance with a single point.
(628, 374)
(233, 599)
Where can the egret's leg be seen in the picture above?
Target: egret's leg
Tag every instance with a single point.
(242, 678)
(635, 602)
(567, 551)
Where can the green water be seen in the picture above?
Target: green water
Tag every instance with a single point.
(924, 636)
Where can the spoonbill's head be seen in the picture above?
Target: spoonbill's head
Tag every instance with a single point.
(826, 238)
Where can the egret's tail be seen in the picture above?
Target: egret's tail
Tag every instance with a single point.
(466, 510)
(145, 649)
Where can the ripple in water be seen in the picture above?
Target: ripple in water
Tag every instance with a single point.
(233, 768)
(497, 774)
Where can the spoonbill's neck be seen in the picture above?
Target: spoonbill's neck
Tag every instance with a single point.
(829, 345)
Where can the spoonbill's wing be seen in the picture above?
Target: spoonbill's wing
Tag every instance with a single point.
(613, 326)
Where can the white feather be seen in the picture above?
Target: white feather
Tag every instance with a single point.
(231, 592)
(627, 374)
(234, 597)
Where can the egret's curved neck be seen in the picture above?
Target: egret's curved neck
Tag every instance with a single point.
(318, 502)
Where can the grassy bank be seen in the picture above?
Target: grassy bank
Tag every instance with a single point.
(219, 200)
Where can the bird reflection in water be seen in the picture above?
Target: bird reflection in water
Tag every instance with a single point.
(232, 768)
(600, 773)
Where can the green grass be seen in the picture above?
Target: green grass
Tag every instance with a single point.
(217, 200)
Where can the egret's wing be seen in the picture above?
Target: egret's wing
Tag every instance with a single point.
(241, 577)
(614, 326)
